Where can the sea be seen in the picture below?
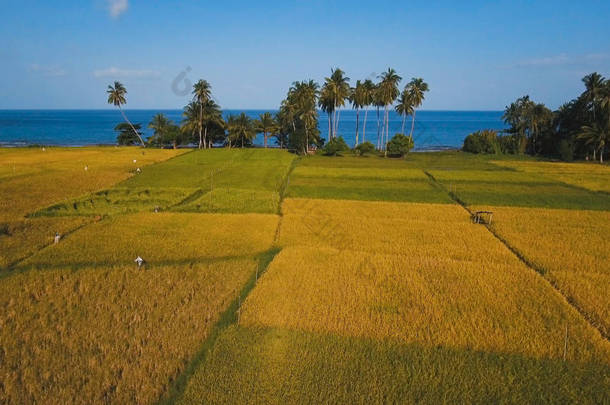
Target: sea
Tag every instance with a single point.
(434, 130)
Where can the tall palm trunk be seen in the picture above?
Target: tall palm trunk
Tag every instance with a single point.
(404, 118)
(337, 123)
(329, 126)
(132, 127)
(205, 138)
(412, 124)
(387, 128)
(357, 123)
(378, 140)
(265, 138)
(200, 125)
(364, 126)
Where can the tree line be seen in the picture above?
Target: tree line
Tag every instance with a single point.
(578, 129)
(295, 125)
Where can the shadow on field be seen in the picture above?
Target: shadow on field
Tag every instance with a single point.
(251, 365)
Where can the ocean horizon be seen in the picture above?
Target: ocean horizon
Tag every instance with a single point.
(434, 129)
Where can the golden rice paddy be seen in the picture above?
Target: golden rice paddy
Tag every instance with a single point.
(108, 334)
(570, 246)
(161, 238)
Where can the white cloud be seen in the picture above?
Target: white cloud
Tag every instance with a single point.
(116, 73)
(117, 7)
(591, 60)
(47, 71)
(561, 59)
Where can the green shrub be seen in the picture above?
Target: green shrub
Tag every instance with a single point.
(364, 148)
(335, 146)
(485, 141)
(400, 145)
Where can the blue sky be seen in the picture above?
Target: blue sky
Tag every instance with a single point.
(473, 54)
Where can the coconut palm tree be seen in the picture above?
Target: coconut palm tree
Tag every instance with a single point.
(404, 108)
(388, 94)
(305, 94)
(596, 135)
(116, 96)
(358, 99)
(335, 91)
(266, 125)
(202, 92)
(538, 116)
(159, 124)
(594, 86)
(327, 104)
(416, 89)
(191, 121)
(378, 103)
(368, 96)
(241, 130)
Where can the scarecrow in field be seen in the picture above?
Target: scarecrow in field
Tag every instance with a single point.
(139, 261)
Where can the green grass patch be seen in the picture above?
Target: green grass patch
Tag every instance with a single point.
(413, 190)
(232, 200)
(259, 169)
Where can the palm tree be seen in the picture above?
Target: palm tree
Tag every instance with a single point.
(266, 125)
(191, 120)
(211, 117)
(304, 98)
(416, 89)
(241, 130)
(335, 91)
(358, 99)
(159, 124)
(389, 93)
(537, 116)
(368, 96)
(202, 92)
(378, 102)
(327, 104)
(594, 84)
(404, 108)
(597, 136)
(116, 96)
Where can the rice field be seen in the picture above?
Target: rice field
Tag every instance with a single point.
(269, 365)
(22, 238)
(383, 290)
(380, 182)
(108, 334)
(570, 247)
(160, 239)
(504, 188)
(433, 302)
(119, 201)
(232, 200)
(33, 178)
(591, 176)
(388, 228)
